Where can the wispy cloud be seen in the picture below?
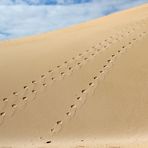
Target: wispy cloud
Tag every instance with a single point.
(43, 2)
(22, 20)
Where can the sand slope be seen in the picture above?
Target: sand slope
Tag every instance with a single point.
(84, 86)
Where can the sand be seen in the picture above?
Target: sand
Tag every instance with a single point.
(80, 87)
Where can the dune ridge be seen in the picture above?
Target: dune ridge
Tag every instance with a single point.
(93, 74)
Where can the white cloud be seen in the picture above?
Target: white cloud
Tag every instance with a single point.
(21, 20)
(34, 2)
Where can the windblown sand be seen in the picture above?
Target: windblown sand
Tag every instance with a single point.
(81, 87)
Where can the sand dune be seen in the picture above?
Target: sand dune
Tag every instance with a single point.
(84, 86)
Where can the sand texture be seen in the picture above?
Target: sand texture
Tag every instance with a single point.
(85, 86)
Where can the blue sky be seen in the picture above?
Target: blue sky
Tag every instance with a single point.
(20, 18)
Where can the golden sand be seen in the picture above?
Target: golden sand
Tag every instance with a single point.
(81, 87)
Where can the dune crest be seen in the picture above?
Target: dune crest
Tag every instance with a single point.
(84, 86)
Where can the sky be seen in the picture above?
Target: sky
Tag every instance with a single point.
(19, 18)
